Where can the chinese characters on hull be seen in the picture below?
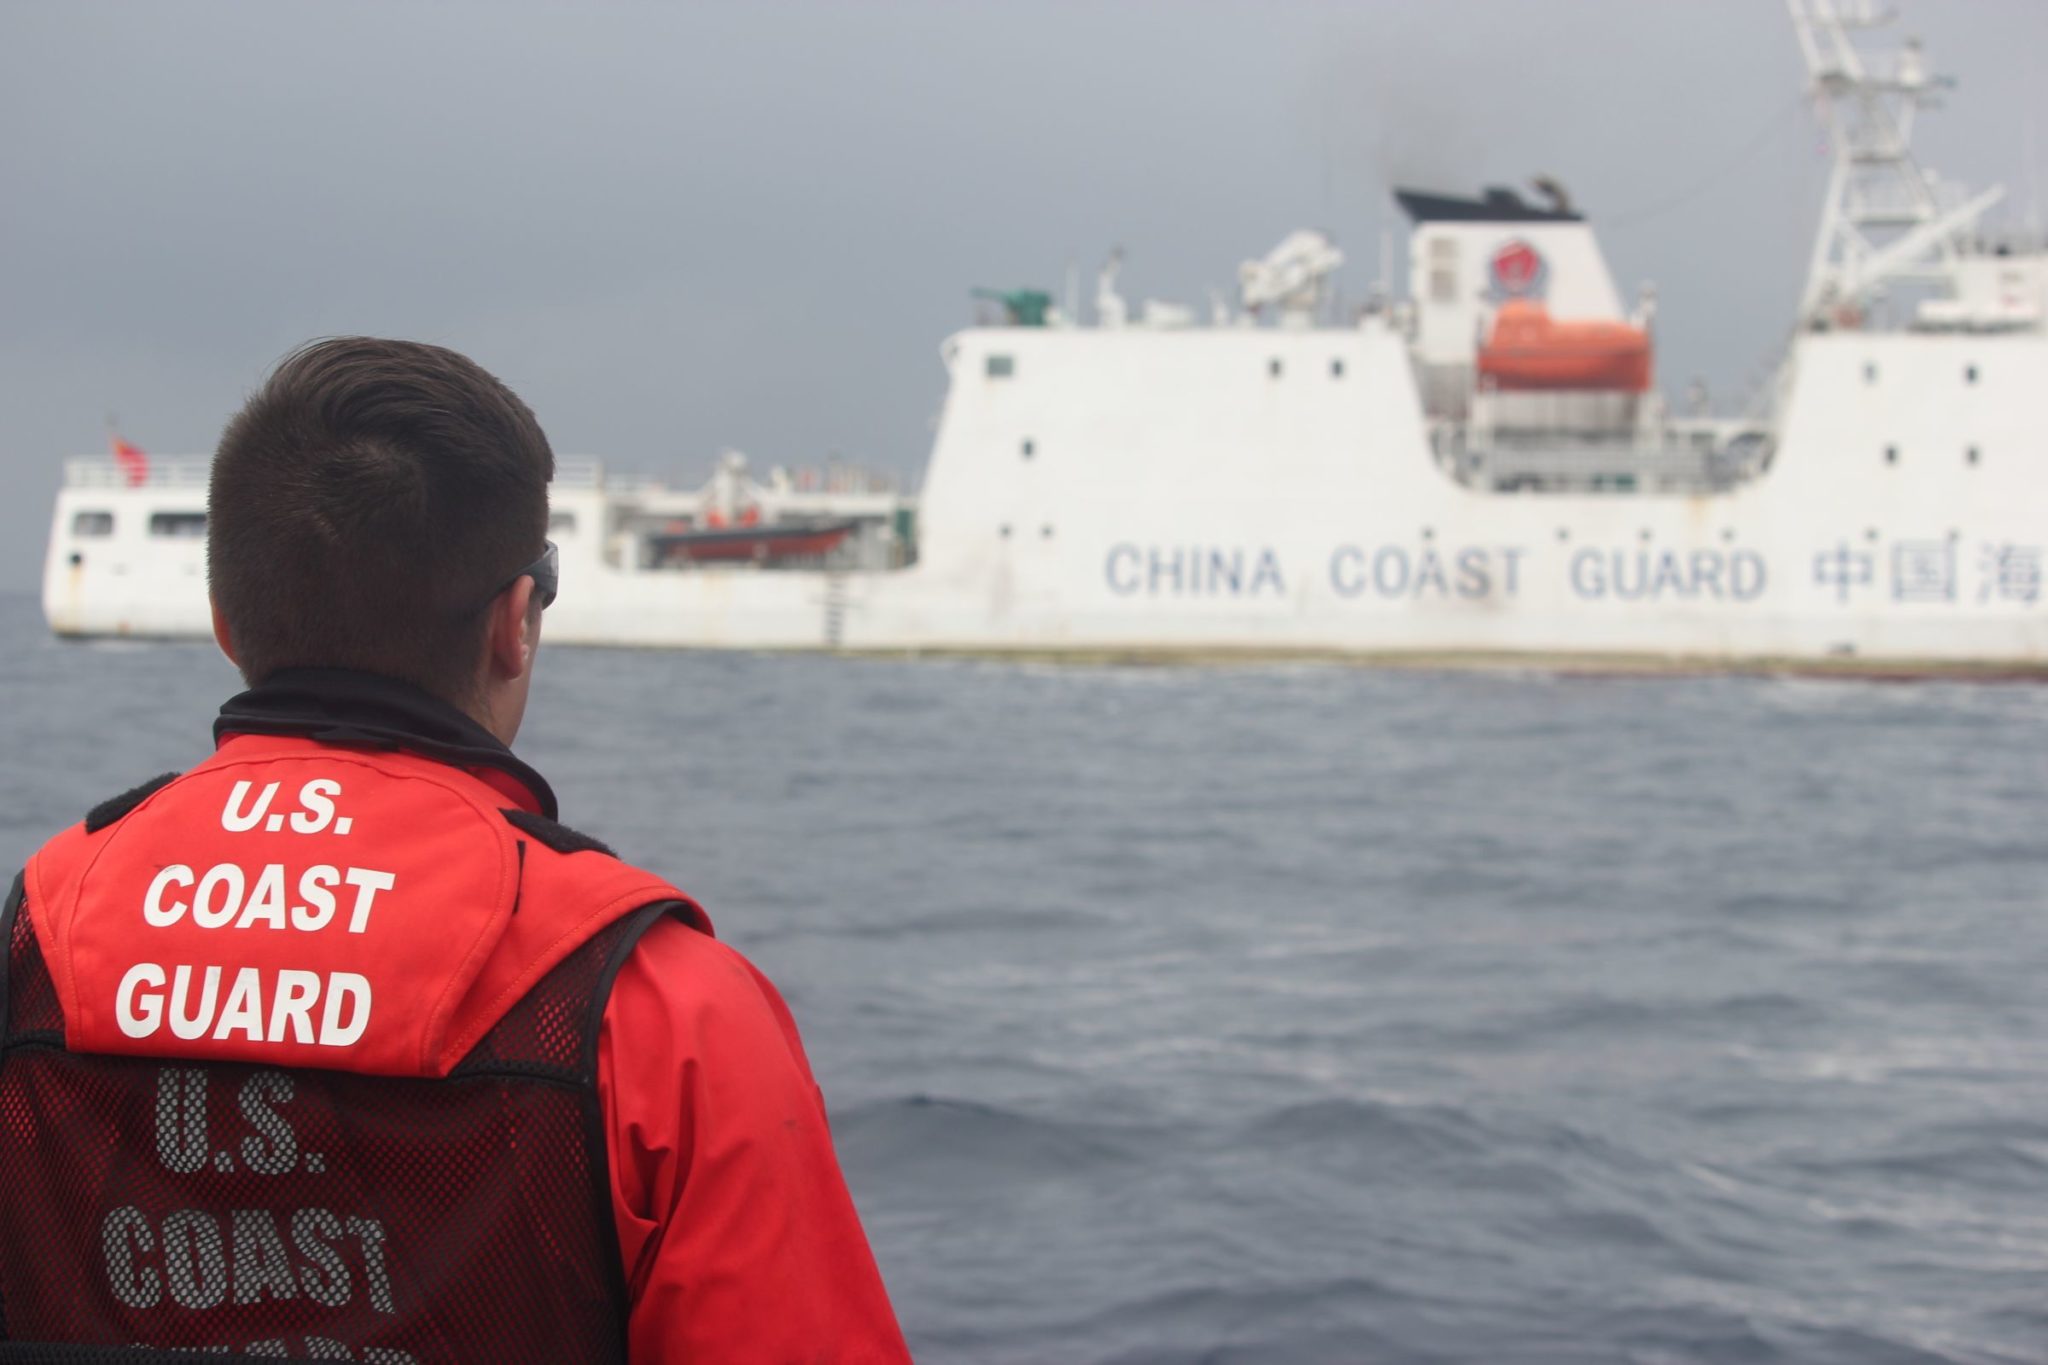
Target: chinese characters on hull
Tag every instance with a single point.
(1929, 572)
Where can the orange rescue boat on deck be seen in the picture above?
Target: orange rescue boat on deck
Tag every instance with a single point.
(1529, 349)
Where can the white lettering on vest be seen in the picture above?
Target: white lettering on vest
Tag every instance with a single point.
(370, 1233)
(266, 902)
(188, 1254)
(340, 986)
(223, 896)
(345, 999)
(316, 798)
(243, 1012)
(262, 1269)
(125, 1234)
(316, 812)
(296, 992)
(316, 889)
(367, 885)
(205, 913)
(195, 1261)
(237, 821)
(314, 1233)
(139, 1023)
(154, 911)
(185, 1025)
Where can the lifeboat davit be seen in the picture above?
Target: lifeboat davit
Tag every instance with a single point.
(1531, 350)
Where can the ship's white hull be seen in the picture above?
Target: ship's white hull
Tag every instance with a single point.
(1180, 497)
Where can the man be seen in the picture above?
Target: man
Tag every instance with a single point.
(339, 1045)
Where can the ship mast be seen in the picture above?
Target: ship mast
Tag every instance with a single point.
(1887, 217)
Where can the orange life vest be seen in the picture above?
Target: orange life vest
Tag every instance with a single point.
(300, 1058)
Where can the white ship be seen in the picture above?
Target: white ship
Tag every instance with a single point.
(1482, 469)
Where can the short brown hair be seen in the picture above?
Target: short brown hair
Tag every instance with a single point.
(364, 506)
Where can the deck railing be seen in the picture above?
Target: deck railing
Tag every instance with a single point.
(191, 471)
(161, 471)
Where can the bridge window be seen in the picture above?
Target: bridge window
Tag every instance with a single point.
(92, 524)
(183, 525)
(561, 523)
(1443, 270)
(1001, 366)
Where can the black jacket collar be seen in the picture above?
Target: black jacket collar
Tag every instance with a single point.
(365, 711)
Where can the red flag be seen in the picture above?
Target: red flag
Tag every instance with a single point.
(132, 461)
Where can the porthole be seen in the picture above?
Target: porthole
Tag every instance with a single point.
(1970, 374)
(1273, 367)
(1337, 368)
(1971, 454)
(1029, 449)
(1869, 373)
(1891, 454)
(1004, 530)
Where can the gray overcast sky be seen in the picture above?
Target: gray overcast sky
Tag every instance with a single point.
(680, 227)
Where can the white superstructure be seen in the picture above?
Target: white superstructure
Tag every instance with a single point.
(1483, 468)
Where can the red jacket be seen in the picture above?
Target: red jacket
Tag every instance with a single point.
(737, 1237)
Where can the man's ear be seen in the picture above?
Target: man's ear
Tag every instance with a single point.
(514, 632)
(222, 636)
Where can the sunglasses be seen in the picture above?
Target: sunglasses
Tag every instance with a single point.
(546, 573)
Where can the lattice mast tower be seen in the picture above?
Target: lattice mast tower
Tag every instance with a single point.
(1887, 218)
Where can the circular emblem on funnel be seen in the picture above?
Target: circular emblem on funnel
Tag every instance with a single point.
(1519, 271)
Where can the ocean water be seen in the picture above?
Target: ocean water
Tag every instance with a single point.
(1317, 1014)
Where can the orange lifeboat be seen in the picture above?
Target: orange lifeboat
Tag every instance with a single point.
(1531, 350)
